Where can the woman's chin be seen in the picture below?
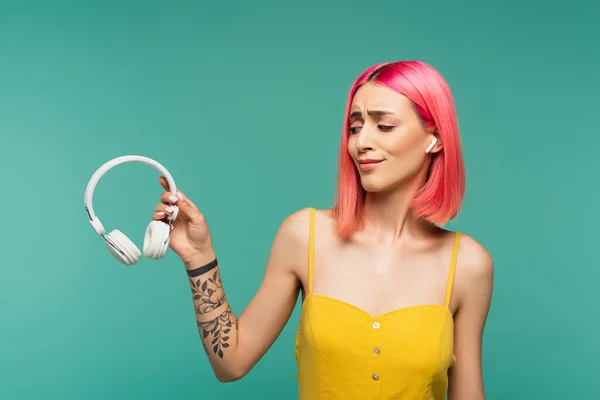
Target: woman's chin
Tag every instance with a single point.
(372, 185)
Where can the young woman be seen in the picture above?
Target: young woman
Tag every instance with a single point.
(394, 306)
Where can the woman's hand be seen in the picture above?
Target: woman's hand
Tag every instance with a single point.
(190, 237)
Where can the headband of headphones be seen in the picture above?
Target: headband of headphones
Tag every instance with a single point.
(89, 191)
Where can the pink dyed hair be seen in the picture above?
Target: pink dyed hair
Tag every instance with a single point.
(441, 197)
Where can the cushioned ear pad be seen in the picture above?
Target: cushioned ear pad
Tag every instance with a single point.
(156, 240)
(122, 248)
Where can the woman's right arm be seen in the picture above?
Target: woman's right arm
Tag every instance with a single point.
(235, 344)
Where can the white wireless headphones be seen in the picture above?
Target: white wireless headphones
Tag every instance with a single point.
(433, 142)
(156, 239)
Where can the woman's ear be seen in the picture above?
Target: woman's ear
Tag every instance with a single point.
(435, 145)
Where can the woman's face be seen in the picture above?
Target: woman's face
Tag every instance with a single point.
(387, 140)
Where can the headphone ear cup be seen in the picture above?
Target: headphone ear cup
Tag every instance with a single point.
(122, 248)
(156, 240)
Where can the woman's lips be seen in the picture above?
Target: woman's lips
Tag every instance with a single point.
(368, 164)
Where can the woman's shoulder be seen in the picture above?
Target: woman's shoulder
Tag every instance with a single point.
(298, 221)
(474, 259)
(295, 227)
(474, 273)
(292, 239)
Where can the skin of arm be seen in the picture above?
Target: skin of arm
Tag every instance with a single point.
(473, 284)
(235, 344)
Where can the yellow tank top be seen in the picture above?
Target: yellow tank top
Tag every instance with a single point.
(343, 352)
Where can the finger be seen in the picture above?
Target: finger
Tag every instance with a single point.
(163, 182)
(168, 198)
(158, 216)
(164, 208)
(165, 185)
(192, 214)
(160, 213)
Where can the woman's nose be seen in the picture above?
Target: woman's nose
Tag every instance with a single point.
(364, 139)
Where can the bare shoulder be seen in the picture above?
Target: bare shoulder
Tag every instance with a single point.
(292, 239)
(296, 226)
(290, 246)
(474, 269)
(474, 260)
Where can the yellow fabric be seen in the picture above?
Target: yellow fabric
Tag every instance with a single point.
(343, 352)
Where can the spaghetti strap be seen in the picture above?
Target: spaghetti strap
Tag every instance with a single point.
(311, 249)
(452, 269)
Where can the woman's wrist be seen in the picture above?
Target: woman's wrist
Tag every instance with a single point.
(200, 260)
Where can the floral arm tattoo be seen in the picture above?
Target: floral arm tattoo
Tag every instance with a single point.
(209, 296)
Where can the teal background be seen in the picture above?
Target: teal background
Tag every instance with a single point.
(243, 102)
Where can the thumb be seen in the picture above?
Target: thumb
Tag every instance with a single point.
(193, 215)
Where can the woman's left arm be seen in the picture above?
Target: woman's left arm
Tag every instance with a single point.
(473, 287)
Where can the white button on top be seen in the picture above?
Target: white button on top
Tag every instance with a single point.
(376, 325)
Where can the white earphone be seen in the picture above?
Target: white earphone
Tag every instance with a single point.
(433, 142)
(156, 239)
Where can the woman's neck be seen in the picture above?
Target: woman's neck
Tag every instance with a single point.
(388, 215)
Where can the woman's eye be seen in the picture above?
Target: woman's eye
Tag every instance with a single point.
(386, 128)
(354, 129)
